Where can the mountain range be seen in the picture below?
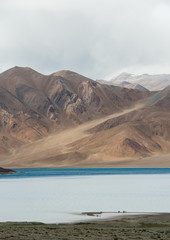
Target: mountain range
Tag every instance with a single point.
(65, 119)
(145, 82)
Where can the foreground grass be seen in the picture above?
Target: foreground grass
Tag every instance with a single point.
(138, 227)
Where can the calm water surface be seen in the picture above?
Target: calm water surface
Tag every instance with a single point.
(59, 195)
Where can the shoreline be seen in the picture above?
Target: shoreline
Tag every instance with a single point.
(117, 215)
(6, 171)
(144, 227)
(96, 217)
(91, 167)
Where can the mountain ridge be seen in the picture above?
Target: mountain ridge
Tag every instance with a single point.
(154, 82)
(64, 119)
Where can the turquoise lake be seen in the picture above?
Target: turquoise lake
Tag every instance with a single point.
(60, 195)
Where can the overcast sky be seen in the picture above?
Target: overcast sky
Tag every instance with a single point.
(96, 38)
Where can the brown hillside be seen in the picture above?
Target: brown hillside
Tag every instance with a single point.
(33, 105)
(143, 132)
(66, 119)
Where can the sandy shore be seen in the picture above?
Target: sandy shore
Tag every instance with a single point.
(108, 216)
(148, 226)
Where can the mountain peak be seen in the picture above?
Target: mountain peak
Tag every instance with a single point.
(71, 76)
(155, 82)
(64, 73)
(123, 76)
(19, 70)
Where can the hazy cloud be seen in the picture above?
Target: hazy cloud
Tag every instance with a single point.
(93, 37)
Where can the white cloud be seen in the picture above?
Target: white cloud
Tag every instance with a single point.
(92, 37)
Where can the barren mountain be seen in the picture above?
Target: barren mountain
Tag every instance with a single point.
(155, 82)
(66, 119)
(58, 149)
(33, 105)
(140, 133)
(124, 84)
(133, 86)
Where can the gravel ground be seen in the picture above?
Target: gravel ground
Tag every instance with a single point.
(130, 227)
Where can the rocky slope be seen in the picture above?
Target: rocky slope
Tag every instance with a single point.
(66, 119)
(140, 133)
(33, 105)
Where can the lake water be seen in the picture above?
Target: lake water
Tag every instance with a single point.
(60, 195)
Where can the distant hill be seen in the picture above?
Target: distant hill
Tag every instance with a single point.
(124, 84)
(6, 171)
(155, 82)
(129, 85)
